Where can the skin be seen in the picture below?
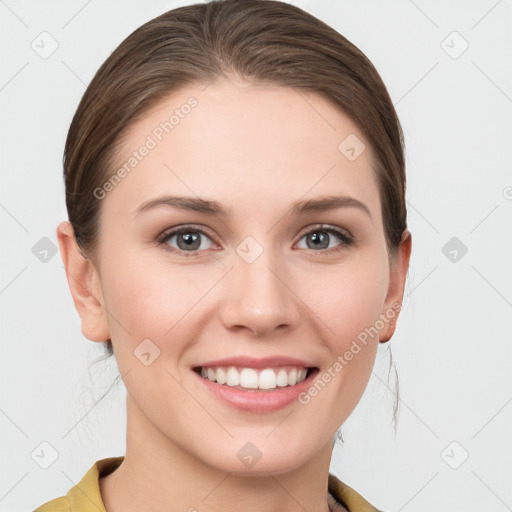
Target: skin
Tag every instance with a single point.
(255, 149)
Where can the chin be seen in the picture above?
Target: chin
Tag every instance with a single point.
(256, 456)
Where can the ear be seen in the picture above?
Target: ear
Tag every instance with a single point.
(84, 284)
(394, 298)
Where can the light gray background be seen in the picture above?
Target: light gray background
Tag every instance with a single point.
(452, 348)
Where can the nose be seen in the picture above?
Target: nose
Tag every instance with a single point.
(260, 297)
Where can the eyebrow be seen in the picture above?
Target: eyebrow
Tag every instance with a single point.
(301, 207)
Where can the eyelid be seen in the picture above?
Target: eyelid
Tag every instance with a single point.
(176, 230)
(327, 227)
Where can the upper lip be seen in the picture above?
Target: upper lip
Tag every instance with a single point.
(257, 362)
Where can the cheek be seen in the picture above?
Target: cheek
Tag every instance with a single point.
(347, 298)
(349, 303)
(146, 300)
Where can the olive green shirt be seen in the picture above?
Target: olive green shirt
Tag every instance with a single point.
(86, 497)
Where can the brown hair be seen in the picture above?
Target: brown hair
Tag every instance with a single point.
(257, 40)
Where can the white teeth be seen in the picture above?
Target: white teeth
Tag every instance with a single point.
(282, 378)
(233, 377)
(267, 379)
(221, 376)
(250, 378)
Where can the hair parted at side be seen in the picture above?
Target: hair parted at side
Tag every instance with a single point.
(256, 40)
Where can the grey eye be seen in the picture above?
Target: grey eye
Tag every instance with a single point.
(188, 240)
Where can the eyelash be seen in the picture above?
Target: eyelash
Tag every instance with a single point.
(346, 239)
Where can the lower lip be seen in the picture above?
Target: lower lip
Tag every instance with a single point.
(256, 400)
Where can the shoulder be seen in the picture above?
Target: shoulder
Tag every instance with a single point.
(344, 498)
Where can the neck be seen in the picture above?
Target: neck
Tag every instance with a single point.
(157, 474)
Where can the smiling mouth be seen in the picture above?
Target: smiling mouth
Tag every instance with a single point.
(255, 378)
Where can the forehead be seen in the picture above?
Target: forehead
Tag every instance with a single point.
(246, 145)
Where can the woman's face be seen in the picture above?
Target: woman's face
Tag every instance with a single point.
(259, 285)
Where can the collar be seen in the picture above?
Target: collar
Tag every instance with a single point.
(86, 497)
(342, 498)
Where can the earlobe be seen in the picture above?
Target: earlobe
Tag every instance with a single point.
(394, 298)
(84, 284)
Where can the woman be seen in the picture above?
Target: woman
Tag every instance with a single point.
(237, 238)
